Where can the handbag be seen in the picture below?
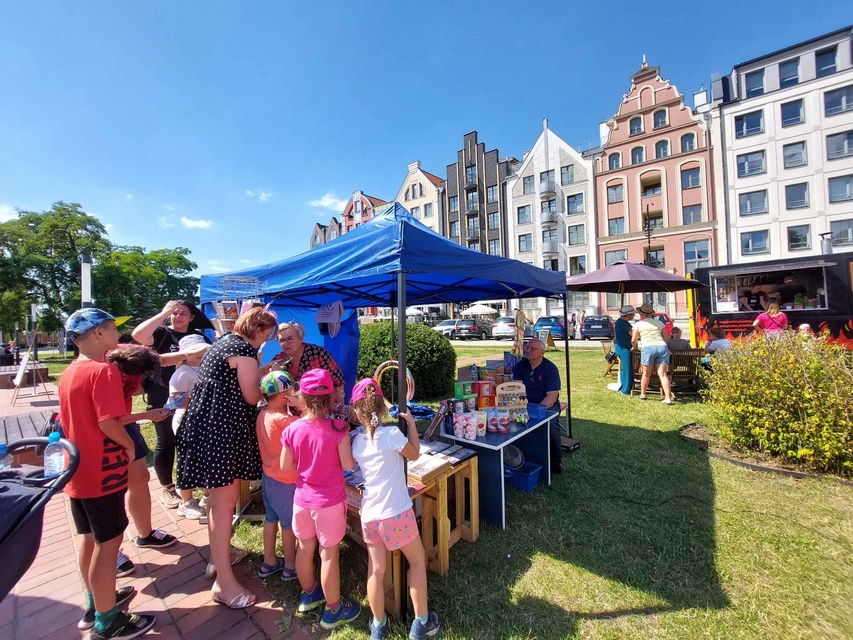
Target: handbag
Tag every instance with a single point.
(610, 357)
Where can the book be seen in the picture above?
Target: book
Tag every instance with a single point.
(230, 310)
(429, 448)
(426, 467)
(458, 455)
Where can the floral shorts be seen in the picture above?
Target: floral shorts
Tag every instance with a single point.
(394, 532)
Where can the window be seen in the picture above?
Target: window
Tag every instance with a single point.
(696, 255)
(473, 227)
(799, 237)
(797, 195)
(825, 62)
(454, 204)
(615, 226)
(474, 245)
(659, 118)
(754, 242)
(750, 164)
(838, 101)
(652, 189)
(615, 161)
(525, 243)
(655, 258)
(690, 178)
(614, 194)
(638, 155)
(841, 189)
(316, 238)
(551, 265)
(574, 204)
(577, 265)
(577, 234)
(635, 126)
(416, 211)
(471, 174)
(549, 235)
(528, 185)
(789, 73)
(454, 229)
(688, 142)
(492, 194)
(333, 233)
(406, 197)
(357, 205)
(842, 232)
(794, 154)
(549, 206)
(691, 214)
(749, 124)
(839, 145)
(428, 210)
(567, 174)
(495, 247)
(493, 221)
(420, 190)
(754, 83)
(473, 202)
(662, 149)
(792, 113)
(612, 257)
(524, 216)
(653, 220)
(753, 203)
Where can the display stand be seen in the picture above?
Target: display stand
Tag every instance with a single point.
(27, 364)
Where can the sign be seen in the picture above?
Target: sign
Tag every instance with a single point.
(19, 377)
(545, 336)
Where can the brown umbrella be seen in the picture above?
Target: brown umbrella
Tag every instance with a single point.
(630, 277)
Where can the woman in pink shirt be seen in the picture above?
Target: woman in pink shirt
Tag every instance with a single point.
(772, 320)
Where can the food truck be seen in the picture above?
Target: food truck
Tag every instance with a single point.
(813, 290)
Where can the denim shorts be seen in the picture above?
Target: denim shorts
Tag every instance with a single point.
(651, 356)
(140, 447)
(278, 501)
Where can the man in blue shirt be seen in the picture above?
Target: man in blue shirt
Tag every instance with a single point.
(542, 383)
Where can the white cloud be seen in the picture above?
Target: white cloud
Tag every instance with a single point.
(263, 196)
(129, 196)
(329, 201)
(245, 262)
(196, 224)
(165, 223)
(168, 207)
(7, 213)
(217, 266)
(108, 226)
(251, 194)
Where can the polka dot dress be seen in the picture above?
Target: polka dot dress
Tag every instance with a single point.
(216, 440)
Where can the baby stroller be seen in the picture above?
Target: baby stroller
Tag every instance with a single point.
(24, 492)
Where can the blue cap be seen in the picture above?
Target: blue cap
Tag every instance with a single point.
(87, 319)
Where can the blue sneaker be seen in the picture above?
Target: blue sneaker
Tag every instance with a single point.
(347, 611)
(310, 601)
(428, 629)
(378, 631)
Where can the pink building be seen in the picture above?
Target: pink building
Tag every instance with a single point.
(654, 188)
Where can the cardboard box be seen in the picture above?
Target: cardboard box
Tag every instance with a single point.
(488, 373)
(470, 403)
(484, 388)
(463, 374)
(462, 389)
(485, 402)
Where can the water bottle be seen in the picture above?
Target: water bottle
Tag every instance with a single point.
(474, 372)
(54, 456)
(5, 457)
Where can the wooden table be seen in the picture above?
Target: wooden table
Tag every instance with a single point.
(534, 441)
(26, 425)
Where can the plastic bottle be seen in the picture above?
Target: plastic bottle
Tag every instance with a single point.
(5, 456)
(474, 372)
(54, 456)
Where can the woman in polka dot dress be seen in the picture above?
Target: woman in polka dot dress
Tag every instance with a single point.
(217, 444)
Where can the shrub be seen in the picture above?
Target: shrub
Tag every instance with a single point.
(788, 396)
(429, 356)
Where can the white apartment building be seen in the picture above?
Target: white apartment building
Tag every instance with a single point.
(551, 222)
(422, 193)
(787, 160)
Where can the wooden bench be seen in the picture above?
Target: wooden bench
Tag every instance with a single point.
(684, 368)
(8, 373)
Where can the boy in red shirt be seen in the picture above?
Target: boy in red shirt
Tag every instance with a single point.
(91, 405)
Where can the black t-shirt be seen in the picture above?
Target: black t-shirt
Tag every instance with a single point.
(789, 290)
(166, 340)
(753, 299)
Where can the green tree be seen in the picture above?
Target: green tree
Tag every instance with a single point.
(14, 307)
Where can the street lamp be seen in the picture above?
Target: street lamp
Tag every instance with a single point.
(648, 229)
(86, 280)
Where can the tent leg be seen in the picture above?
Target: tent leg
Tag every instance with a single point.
(402, 393)
(569, 443)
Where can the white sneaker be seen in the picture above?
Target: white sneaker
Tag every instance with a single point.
(203, 502)
(191, 510)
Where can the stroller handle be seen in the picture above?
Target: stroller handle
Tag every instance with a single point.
(57, 482)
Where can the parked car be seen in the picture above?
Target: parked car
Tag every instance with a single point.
(447, 328)
(504, 327)
(598, 327)
(470, 329)
(555, 325)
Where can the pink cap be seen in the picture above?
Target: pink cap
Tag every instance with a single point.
(316, 382)
(360, 389)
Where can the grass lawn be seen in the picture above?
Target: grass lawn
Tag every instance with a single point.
(643, 536)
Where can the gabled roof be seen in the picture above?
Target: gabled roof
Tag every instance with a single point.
(374, 201)
(432, 178)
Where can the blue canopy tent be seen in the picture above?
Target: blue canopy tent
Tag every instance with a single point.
(392, 260)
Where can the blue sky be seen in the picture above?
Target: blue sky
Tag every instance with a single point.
(225, 127)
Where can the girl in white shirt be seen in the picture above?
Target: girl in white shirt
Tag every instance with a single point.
(387, 518)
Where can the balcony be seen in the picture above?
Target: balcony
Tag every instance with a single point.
(547, 188)
(473, 234)
(470, 183)
(548, 217)
(472, 209)
(550, 247)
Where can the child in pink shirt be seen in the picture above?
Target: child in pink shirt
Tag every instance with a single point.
(318, 449)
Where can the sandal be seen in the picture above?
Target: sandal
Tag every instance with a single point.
(288, 574)
(237, 555)
(642, 397)
(267, 570)
(240, 601)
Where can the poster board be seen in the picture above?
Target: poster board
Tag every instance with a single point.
(545, 336)
(22, 370)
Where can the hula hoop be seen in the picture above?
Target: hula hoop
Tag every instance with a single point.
(410, 381)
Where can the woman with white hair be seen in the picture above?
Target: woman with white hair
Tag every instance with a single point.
(306, 356)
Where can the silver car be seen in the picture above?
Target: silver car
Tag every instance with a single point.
(504, 327)
(447, 328)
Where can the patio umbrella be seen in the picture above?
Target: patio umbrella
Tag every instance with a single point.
(630, 277)
(412, 311)
(480, 309)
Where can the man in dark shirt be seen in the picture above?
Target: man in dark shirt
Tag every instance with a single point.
(755, 299)
(542, 383)
(789, 289)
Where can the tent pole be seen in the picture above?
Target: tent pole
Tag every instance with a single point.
(402, 393)
(568, 370)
